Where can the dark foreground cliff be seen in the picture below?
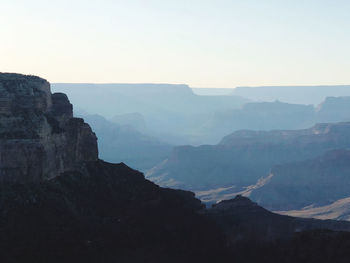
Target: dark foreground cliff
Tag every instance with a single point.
(59, 203)
(109, 213)
(254, 234)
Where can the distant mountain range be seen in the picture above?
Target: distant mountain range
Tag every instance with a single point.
(213, 91)
(293, 94)
(244, 156)
(177, 115)
(278, 115)
(287, 169)
(261, 116)
(171, 112)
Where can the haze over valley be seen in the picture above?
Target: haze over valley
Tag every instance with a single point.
(188, 131)
(222, 145)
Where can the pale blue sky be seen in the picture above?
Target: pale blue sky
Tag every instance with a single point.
(202, 43)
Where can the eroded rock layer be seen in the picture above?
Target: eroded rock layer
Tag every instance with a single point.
(39, 138)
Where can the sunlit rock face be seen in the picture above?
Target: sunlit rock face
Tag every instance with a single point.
(39, 138)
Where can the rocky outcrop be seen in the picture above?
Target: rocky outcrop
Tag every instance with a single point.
(39, 138)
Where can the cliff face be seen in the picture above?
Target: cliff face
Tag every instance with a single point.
(39, 138)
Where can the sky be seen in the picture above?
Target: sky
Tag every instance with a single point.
(216, 44)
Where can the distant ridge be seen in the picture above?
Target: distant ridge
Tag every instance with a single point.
(293, 94)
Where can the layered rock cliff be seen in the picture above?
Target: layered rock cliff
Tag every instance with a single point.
(39, 138)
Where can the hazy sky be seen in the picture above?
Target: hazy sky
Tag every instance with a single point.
(217, 43)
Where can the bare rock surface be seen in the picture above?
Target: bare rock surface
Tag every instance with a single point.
(39, 138)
